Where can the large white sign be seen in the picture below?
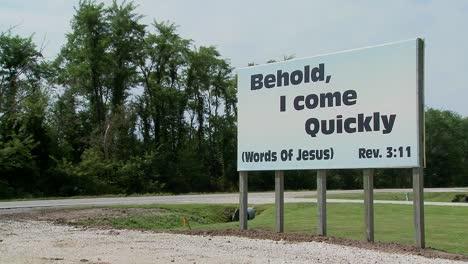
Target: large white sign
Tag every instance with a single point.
(353, 109)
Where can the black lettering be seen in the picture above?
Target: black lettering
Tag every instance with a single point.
(270, 81)
(249, 156)
(312, 126)
(388, 123)
(375, 153)
(312, 155)
(376, 121)
(256, 157)
(297, 100)
(299, 155)
(282, 103)
(364, 123)
(347, 125)
(349, 97)
(296, 77)
(328, 97)
(256, 82)
(311, 101)
(282, 78)
(362, 152)
(319, 154)
(339, 124)
(330, 129)
(306, 74)
(318, 73)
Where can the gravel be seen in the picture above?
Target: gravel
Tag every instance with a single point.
(45, 242)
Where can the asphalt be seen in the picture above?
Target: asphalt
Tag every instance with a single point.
(224, 198)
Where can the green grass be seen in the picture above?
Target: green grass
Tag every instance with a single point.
(170, 217)
(428, 196)
(446, 227)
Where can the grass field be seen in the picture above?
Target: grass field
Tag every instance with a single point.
(446, 227)
(428, 196)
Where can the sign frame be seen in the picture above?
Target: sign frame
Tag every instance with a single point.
(368, 179)
(383, 160)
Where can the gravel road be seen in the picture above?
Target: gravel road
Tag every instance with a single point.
(44, 242)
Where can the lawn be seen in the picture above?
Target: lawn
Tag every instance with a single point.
(428, 196)
(446, 227)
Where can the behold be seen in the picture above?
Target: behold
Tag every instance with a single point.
(307, 75)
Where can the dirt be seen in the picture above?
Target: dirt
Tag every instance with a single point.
(300, 237)
(72, 217)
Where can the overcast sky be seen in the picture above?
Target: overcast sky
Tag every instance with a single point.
(256, 31)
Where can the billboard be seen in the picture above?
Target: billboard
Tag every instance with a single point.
(352, 109)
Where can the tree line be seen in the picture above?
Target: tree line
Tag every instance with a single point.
(132, 108)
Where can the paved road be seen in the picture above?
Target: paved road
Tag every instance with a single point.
(254, 198)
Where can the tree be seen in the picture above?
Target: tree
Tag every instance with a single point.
(161, 64)
(210, 88)
(131, 108)
(161, 107)
(24, 144)
(125, 41)
(446, 147)
(19, 77)
(83, 61)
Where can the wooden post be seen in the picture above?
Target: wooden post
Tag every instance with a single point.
(418, 204)
(418, 173)
(279, 200)
(369, 204)
(322, 202)
(243, 203)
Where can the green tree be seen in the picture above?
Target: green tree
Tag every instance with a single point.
(24, 138)
(126, 38)
(162, 106)
(83, 61)
(20, 63)
(446, 147)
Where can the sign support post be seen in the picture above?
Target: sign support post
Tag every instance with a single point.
(279, 200)
(322, 202)
(418, 172)
(243, 190)
(418, 204)
(369, 204)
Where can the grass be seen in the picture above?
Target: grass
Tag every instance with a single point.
(169, 217)
(446, 227)
(428, 196)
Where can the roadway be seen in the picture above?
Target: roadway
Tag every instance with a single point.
(223, 198)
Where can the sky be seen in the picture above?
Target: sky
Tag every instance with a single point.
(257, 31)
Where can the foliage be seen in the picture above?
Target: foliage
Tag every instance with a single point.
(446, 149)
(132, 108)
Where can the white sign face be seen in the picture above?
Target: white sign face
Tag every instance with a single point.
(353, 109)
